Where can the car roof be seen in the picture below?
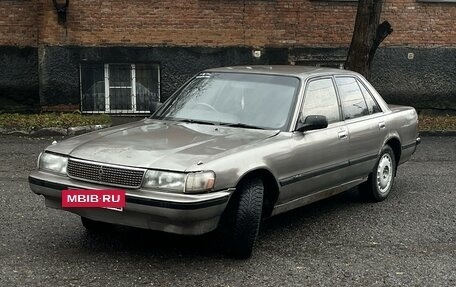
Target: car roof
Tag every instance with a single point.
(283, 70)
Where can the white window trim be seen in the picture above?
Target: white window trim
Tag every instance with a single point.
(106, 77)
(133, 88)
(107, 87)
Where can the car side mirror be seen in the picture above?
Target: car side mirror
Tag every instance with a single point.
(154, 106)
(312, 122)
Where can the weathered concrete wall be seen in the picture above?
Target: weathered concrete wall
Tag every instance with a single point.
(427, 80)
(59, 76)
(59, 66)
(18, 78)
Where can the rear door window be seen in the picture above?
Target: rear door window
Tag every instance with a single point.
(351, 97)
(371, 103)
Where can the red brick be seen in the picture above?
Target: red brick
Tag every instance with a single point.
(217, 23)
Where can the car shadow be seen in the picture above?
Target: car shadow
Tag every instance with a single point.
(147, 243)
(313, 211)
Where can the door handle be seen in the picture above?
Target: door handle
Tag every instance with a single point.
(382, 125)
(343, 135)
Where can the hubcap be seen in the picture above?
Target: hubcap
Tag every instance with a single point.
(384, 173)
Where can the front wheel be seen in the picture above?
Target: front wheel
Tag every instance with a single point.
(245, 217)
(380, 181)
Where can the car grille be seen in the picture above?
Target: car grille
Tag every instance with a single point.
(106, 174)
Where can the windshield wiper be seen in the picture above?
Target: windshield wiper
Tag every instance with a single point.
(196, 122)
(240, 125)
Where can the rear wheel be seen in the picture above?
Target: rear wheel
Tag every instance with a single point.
(380, 181)
(244, 217)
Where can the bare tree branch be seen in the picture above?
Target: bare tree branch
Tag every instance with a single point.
(367, 36)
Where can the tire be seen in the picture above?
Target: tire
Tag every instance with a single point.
(378, 185)
(244, 217)
(95, 226)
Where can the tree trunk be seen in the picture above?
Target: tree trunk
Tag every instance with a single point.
(367, 36)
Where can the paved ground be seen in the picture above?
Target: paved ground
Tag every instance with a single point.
(408, 240)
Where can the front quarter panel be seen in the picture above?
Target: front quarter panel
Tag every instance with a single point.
(271, 154)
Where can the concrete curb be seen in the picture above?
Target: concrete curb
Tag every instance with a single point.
(438, 133)
(45, 132)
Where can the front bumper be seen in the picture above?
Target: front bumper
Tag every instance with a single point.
(175, 213)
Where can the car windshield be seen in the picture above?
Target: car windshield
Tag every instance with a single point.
(234, 99)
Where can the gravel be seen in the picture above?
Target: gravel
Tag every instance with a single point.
(407, 240)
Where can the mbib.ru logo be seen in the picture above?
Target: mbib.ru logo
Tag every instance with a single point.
(93, 198)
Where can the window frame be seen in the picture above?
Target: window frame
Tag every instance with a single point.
(297, 96)
(107, 86)
(358, 80)
(341, 106)
(309, 80)
(370, 94)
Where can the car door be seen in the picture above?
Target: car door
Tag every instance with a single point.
(366, 128)
(319, 157)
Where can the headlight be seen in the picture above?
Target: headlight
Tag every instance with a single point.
(171, 181)
(199, 181)
(179, 182)
(54, 163)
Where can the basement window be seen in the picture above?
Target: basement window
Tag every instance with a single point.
(119, 88)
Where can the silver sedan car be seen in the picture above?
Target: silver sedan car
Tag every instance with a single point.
(233, 146)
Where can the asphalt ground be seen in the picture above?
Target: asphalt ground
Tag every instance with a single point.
(407, 240)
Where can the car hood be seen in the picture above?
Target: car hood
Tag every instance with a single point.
(159, 144)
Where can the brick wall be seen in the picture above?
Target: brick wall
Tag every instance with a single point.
(18, 22)
(420, 24)
(39, 59)
(201, 23)
(281, 23)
